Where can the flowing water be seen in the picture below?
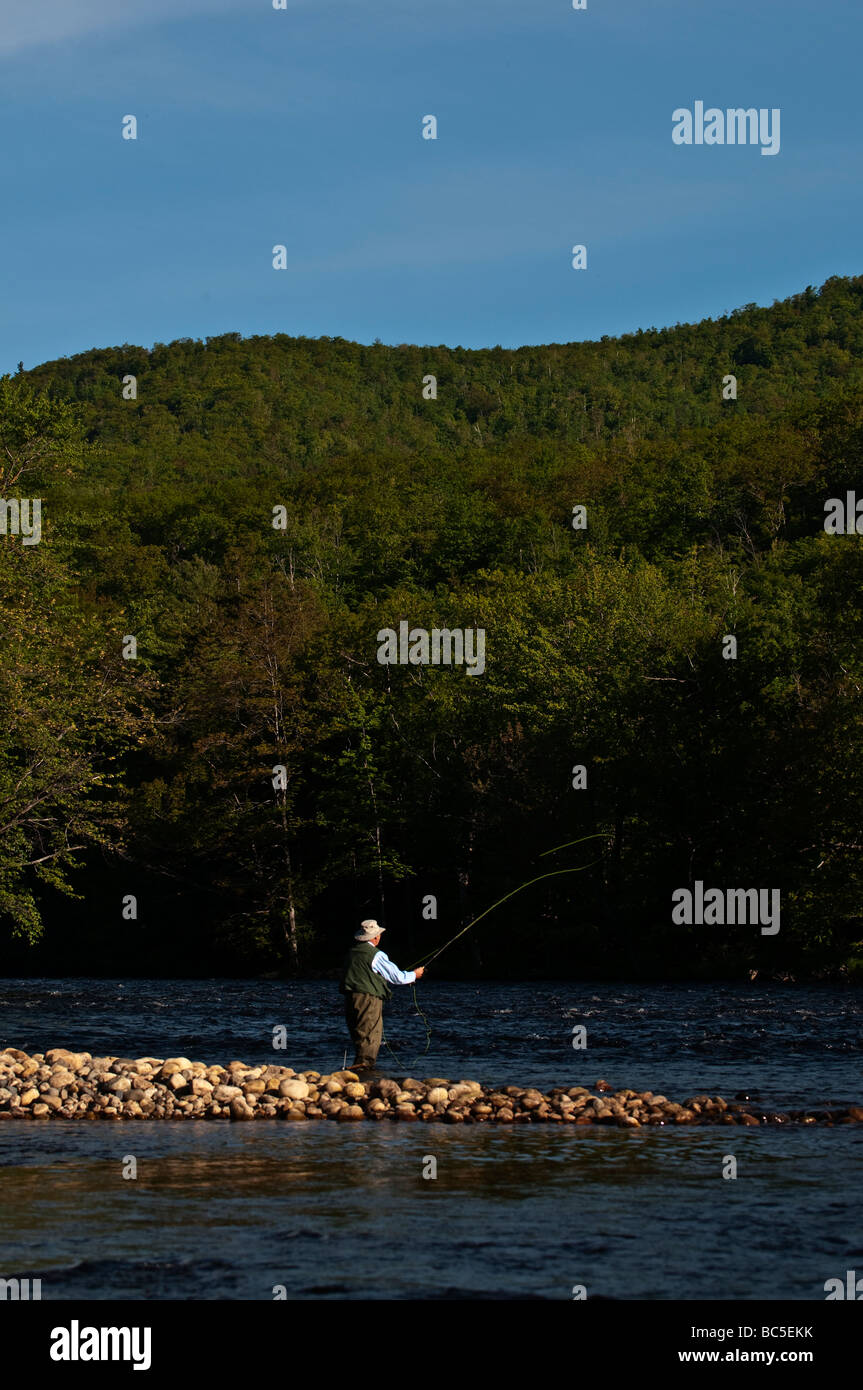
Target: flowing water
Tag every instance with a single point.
(226, 1211)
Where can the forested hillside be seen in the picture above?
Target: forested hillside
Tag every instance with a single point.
(257, 645)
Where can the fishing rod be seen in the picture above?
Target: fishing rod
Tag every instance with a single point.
(554, 873)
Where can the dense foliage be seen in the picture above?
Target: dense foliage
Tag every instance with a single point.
(257, 648)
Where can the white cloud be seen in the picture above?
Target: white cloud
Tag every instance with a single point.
(31, 23)
(26, 24)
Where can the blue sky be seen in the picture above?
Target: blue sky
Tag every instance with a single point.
(303, 127)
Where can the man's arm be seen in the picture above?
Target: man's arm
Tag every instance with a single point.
(383, 966)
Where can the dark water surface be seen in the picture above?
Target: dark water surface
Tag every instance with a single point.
(342, 1211)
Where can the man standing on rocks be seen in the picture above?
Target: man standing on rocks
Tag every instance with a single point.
(367, 974)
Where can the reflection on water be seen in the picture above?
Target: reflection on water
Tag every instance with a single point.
(337, 1211)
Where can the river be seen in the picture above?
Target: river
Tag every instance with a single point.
(330, 1211)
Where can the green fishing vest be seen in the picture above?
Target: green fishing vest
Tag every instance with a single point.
(358, 976)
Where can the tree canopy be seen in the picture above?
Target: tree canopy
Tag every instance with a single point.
(257, 781)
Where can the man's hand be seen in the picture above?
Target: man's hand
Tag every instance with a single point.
(420, 971)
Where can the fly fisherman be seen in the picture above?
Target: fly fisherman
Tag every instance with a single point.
(366, 977)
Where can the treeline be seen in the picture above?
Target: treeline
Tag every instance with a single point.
(445, 503)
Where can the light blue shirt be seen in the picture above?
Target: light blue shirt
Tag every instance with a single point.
(383, 966)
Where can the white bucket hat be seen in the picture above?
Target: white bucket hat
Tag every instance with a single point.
(368, 929)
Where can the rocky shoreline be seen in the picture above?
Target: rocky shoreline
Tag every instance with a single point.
(60, 1084)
